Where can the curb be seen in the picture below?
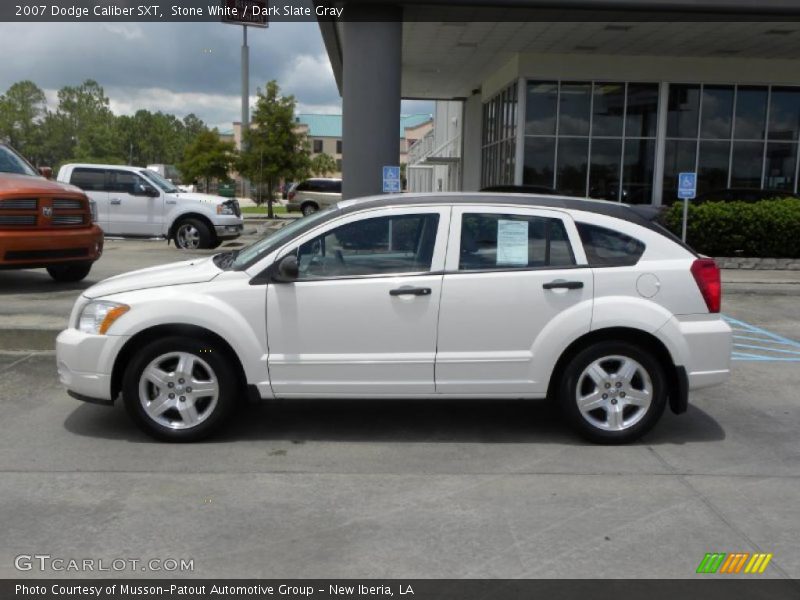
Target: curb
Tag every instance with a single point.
(34, 339)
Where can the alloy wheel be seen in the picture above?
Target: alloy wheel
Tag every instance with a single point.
(178, 390)
(188, 237)
(614, 393)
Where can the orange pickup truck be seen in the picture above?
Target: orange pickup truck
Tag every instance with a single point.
(44, 224)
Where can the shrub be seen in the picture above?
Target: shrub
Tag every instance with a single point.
(766, 229)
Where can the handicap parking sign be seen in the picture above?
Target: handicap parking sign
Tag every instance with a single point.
(687, 185)
(391, 180)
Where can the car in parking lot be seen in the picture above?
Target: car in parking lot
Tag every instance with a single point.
(44, 224)
(417, 296)
(311, 195)
(137, 202)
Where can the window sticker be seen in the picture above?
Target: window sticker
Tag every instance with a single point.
(512, 243)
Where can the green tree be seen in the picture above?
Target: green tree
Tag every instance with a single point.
(273, 149)
(89, 122)
(207, 157)
(323, 165)
(22, 109)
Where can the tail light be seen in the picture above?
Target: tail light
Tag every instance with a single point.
(291, 195)
(706, 274)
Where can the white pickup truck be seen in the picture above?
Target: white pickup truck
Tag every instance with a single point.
(137, 202)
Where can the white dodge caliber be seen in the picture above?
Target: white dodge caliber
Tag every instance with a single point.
(422, 296)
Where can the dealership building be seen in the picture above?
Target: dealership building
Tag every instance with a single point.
(595, 98)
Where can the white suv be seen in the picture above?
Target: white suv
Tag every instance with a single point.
(441, 295)
(132, 201)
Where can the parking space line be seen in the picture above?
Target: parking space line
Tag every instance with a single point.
(770, 347)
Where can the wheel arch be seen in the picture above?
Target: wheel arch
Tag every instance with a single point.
(160, 331)
(677, 389)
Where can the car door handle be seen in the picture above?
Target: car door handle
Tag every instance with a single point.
(115, 201)
(563, 285)
(410, 291)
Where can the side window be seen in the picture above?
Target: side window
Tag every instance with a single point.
(377, 246)
(302, 187)
(497, 241)
(608, 248)
(124, 182)
(89, 180)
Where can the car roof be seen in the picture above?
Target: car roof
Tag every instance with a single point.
(99, 166)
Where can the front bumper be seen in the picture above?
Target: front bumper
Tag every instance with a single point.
(85, 363)
(35, 248)
(229, 232)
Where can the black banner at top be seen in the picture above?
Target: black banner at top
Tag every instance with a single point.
(259, 12)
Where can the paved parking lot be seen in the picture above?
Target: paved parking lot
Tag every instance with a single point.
(407, 489)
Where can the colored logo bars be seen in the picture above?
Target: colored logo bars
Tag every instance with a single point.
(734, 563)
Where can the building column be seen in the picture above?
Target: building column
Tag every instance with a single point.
(471, 125)
(371, 49)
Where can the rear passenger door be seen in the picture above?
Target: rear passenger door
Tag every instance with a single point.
(93, 183)
(516, 286)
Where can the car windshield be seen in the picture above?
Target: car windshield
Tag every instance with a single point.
(246, 256)
(159, 181)
(11, 162)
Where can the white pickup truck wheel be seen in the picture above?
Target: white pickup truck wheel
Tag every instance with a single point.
(193, 234)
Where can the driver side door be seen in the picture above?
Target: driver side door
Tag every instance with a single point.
(130, 211)
(360, 318)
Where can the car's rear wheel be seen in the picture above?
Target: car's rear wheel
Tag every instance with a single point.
(70, 272)
(613, 392)
(179, 389)
(194, 234)
(309, 208)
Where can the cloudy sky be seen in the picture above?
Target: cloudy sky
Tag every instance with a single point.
(174, 67)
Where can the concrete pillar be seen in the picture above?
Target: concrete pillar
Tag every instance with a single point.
(371, 49)
(471, 125)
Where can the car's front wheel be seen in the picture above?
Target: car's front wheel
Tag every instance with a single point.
(613, 392)
(193, 234)
(179, 389)
(69, 272)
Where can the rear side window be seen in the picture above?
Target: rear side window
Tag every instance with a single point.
(498, 241)
(89, 180)
(608, 248)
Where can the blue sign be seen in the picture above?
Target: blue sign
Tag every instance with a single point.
(687, 185)
(391, 180)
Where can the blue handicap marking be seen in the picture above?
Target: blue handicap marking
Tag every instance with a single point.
(391, 172)
(751, 343)
(687, 185)
(391, 186)
(391, 180)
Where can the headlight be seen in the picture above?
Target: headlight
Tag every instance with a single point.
(225, 209)
(97, 317)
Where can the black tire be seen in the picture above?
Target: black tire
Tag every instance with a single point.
(203, 352)
(598, 424)
(193, 234)
(70, 272)
(309, 208)
(215, 244)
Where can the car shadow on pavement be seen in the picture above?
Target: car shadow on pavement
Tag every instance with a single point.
(33, 281)
(426, 421)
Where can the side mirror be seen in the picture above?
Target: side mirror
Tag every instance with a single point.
(287, 269)
(146, 190)
(46, 172)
